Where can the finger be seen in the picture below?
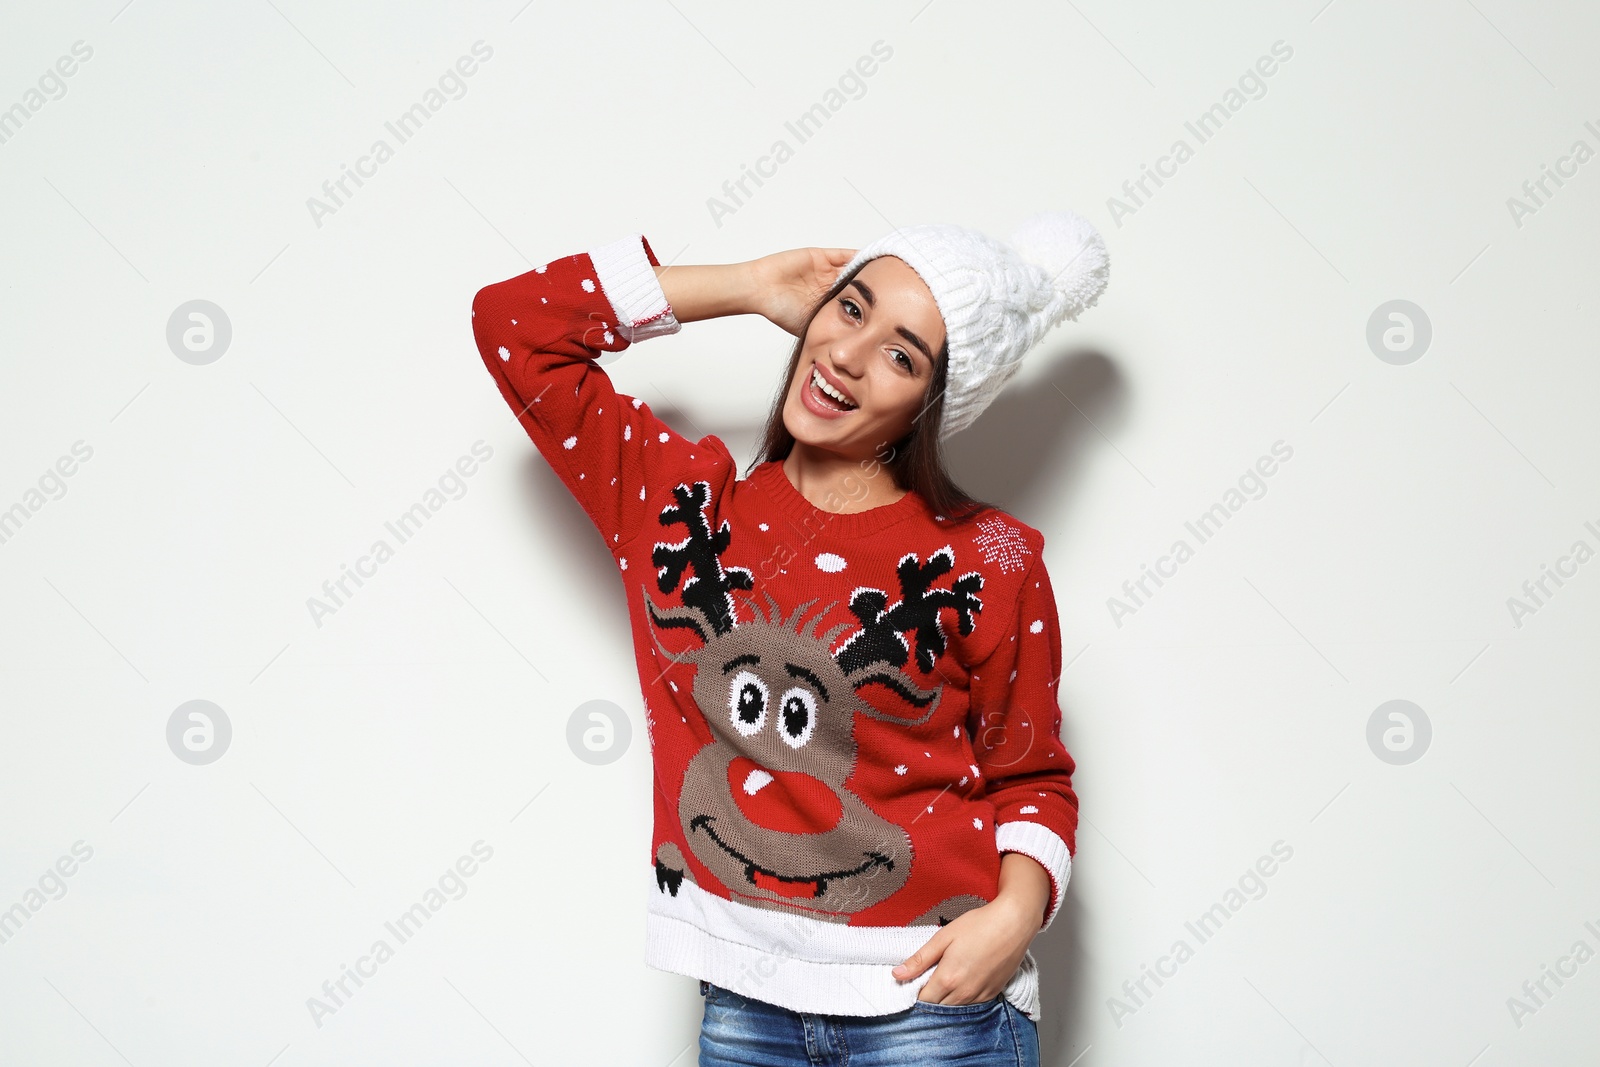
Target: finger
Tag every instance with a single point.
(839, 256)
(923, 958)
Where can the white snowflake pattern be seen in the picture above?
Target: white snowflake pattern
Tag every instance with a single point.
(900, 769)
(588, 285)
(1028, 809)
(1002, 543)
(570, 442)
(831, 562)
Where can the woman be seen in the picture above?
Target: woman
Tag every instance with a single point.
(863, 809)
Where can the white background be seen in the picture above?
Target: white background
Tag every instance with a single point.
(1229, 712)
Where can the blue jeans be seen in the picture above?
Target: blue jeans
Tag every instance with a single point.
(739, 1031)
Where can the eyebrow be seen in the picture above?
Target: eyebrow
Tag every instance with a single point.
(872, 301)
(793, 669)
(801, 672)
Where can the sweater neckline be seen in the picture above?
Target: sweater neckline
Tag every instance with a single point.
(771, 477)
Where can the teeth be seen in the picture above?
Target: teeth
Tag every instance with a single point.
(823, 386)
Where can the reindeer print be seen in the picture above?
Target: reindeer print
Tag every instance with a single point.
(764, 806)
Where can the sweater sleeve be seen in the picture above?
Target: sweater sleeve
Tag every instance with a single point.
(540, 334)
(1016, 722)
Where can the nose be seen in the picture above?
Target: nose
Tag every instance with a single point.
(846, 356)
(791, 802)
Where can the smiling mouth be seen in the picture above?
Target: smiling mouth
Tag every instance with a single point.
(811, 887)
(826, 394)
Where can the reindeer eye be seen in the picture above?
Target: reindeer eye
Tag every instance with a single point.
(747, 701)
(797, 716)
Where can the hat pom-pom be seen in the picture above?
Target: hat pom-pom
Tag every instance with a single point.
(1070, 251)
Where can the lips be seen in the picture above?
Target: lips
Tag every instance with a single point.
(818, 384)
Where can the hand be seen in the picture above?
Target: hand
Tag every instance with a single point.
(977, 952)
(788, 283)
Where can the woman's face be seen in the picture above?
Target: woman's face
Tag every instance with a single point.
(876, 343)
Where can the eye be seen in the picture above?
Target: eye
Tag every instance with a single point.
(854, 311)
(797, 716)
(747, 702)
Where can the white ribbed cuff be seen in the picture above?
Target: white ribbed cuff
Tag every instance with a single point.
(1044, 845)
(629, 282)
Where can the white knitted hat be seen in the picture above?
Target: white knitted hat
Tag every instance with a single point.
(998, 299)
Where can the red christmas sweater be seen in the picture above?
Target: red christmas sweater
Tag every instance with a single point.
(851, 716)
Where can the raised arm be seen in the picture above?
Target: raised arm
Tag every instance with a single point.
(699, 292)
(781, 287)
(539, 335)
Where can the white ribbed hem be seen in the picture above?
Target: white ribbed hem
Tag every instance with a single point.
(630, 284)
(1045, 845)
(793, 961)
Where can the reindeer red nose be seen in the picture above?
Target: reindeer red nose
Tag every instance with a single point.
(788, 801)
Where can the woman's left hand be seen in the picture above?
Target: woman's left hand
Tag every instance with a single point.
(978, 951)
(788, 283)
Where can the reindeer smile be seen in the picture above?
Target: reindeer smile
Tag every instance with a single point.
(811, 887)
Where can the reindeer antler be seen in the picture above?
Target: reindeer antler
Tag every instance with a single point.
(709, 590)
(883, 625)
(878, 651)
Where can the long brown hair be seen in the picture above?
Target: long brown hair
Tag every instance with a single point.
(916, 462)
